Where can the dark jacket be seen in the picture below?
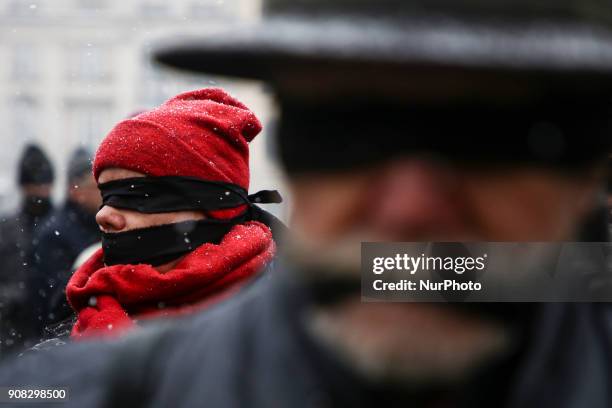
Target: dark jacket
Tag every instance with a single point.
(18, 324)
(63, 236)
(252, 351)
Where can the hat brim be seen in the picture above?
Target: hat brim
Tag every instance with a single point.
(280, 47)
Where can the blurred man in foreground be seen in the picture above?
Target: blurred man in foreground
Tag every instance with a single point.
(393, 128)
(17, 232)
(64, 234)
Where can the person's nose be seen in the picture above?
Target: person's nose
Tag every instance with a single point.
(418, 199)
(110, 219)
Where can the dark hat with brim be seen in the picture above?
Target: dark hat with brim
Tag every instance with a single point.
(361, 81)
(532, 44)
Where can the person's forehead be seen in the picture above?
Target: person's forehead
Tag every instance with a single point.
(112, 174)
(37, 187)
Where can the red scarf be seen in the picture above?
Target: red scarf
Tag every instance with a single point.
(107, 299)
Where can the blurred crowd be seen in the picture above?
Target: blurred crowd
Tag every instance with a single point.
(39, 245)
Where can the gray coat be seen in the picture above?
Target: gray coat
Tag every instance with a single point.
(252, 351)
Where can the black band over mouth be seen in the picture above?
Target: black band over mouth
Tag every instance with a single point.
(163, 243)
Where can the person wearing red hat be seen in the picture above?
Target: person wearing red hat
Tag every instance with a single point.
(179, 230)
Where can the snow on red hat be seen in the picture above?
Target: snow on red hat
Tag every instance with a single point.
(202, 134)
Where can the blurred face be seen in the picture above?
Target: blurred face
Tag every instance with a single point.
(36, 190)
(84, 192)
(418, 200)
(112, 220)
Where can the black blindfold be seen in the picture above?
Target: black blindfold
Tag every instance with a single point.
(174, 193)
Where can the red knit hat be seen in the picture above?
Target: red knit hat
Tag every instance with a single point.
(202, 134)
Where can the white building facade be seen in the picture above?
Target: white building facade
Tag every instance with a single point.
(74, 68)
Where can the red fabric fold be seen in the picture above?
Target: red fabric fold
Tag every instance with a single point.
(108, 300)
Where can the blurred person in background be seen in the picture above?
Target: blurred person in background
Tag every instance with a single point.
(395, 125)
(63, 236)
(17, 231)
(178, 229)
